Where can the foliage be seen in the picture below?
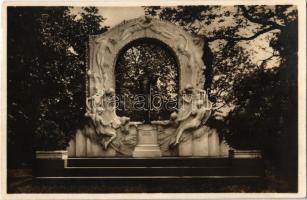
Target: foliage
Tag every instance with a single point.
(140, 64)
(267, 107)
(238, 41)
(251, 71)
(46, 70)
(49, 136)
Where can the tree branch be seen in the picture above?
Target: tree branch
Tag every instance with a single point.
(264, 61)
(217, 109)
(267, 27)
(245, 13)
(235, 39)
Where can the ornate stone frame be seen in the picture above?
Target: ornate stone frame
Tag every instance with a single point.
(104, 50)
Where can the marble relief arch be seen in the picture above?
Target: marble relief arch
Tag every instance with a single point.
(104, 50)
(110, 135)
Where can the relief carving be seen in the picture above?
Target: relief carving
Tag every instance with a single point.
(183, 49)
(141, 24)
(95, 79)
(101, 112)
(193, 114)
(162, 31)
(104, 122)
(104, 50)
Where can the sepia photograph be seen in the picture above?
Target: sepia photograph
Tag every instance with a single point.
(143, 99)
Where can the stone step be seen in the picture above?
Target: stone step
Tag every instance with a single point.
(152, 171)
(155, 167)
(161, 171)
(147, 162)
(140, 178)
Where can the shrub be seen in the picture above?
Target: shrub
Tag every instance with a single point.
(49, 136)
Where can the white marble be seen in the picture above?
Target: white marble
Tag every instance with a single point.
(80, 144)
(213, 143)
(104, 49)
(50, 155)
(200, 144)
(71, 149)
(247, 154)
(147, 143)
(185, 148)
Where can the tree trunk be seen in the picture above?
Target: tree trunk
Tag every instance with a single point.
(208, 60)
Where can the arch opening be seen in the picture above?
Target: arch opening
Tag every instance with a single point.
(146, 80)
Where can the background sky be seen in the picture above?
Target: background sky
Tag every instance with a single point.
(115, 15)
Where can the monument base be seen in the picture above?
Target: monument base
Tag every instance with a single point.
(148, 151)
(147, 145)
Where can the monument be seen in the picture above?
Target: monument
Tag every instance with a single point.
(113, 146)
(108, 135)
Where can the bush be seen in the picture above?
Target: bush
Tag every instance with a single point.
(49, 136)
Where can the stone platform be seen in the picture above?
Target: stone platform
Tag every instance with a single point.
(150, 141)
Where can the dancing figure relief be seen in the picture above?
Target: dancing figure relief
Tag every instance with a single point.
(104, 50)
(194, 113)
(183, 49)
(101, 111)
(96, 79)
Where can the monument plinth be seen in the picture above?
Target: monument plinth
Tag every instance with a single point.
(147, 142)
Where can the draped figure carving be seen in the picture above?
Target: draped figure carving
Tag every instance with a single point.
(101, 111)
(194, 112)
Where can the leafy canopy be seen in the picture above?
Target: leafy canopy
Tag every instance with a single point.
(46, 68)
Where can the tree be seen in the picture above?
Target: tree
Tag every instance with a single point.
(46, 70)
(267, 106)
(228, 33)
(261, 94)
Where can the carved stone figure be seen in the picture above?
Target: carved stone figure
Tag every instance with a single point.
(190, 116)
(187, 100)
(101, 111)
(104, 47)
(93, 102)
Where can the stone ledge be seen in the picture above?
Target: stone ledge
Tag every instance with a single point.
(247, 154)
(62, 155)
(147, 151)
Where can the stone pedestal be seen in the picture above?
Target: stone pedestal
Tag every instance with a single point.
(95, 150)
(200, 144)
(50, 163)
(185, 148)
(80, 144)
(147, 144)
(71, 149)
(214, 143)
